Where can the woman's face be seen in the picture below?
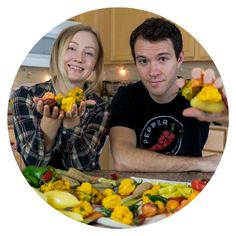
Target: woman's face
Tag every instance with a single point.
(81, 56)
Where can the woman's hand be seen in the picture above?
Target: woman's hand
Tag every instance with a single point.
(209, 78)
(72, 118)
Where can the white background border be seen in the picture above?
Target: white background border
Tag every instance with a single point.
(23, 23)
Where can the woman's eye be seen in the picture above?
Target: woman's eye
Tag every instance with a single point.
(71, 48)
(89, 54)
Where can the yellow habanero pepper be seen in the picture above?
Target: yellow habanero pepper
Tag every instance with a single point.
(108, 192)
(67, 103)
(84, 208)
(75, 92)
(208, 99)
(84, 192)
(111, 201)
(126, 187)
(62, 185)
(122, 214)
(96, 196)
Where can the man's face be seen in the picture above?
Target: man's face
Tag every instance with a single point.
(157, 66)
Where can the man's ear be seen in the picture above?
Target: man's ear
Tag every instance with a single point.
(181, 58)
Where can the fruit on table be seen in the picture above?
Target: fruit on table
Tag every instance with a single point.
(149, 209)
(199, 184)
(61, 200)
(122, 214)
(36, 176)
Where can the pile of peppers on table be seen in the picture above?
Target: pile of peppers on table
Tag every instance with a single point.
(126, 201)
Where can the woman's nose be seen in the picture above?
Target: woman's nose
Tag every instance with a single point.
(79, 57)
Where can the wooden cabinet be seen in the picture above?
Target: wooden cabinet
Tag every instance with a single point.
(115, 26)
(193, 50)
(100, 21)
(216, 140)
(123, 22)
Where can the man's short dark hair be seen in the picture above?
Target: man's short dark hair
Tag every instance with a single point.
(157, 29)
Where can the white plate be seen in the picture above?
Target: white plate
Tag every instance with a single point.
(156, 181)
(112, 224)
(106, 221)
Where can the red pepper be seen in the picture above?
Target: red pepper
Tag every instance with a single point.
(199, 184)
(114, 176)
(47, 176)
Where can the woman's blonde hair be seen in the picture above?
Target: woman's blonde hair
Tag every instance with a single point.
(57, 70)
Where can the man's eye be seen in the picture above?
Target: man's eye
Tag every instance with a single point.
(163, 59)
(142, 61)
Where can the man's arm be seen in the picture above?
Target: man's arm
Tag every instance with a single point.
(127, 157)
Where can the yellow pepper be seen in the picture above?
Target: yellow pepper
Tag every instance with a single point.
(208, 99)
(122, 214)
(75, 92)
(153, 191)
(84, 208)
(145, 195)
(111, 201)
(84, 192)
(62, 185)
(126, 187)
(160, 207)
(67, 103)
(96, 196)
(108, 192)
(85, 187)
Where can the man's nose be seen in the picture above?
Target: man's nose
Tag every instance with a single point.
(154, 69)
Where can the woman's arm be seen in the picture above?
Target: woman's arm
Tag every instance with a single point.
(30, 137)
(82, 144)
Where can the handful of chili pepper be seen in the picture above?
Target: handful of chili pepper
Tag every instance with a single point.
(203, 96)
(65, 103)
(36, 176)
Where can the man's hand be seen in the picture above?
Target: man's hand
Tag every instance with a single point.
(208, 78)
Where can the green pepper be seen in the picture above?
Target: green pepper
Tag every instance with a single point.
(155, 198)
(36, 176)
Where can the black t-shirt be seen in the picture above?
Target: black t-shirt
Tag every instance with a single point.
(158, 127)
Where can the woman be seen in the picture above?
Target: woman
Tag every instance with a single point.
(74, 138)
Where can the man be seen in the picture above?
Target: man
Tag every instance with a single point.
(153, 127)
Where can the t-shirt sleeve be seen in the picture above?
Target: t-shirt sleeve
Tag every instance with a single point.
(122, 108)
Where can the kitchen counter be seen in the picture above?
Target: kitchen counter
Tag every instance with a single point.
(174, 176)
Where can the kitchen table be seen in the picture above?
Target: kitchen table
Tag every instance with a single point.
(172, 176)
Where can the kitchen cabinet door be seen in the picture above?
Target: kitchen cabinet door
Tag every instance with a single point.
(188, 45)
(115, 26)
(216, 140)
(100, 21)
(201, 54)
(89, 18)
(123, 22)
